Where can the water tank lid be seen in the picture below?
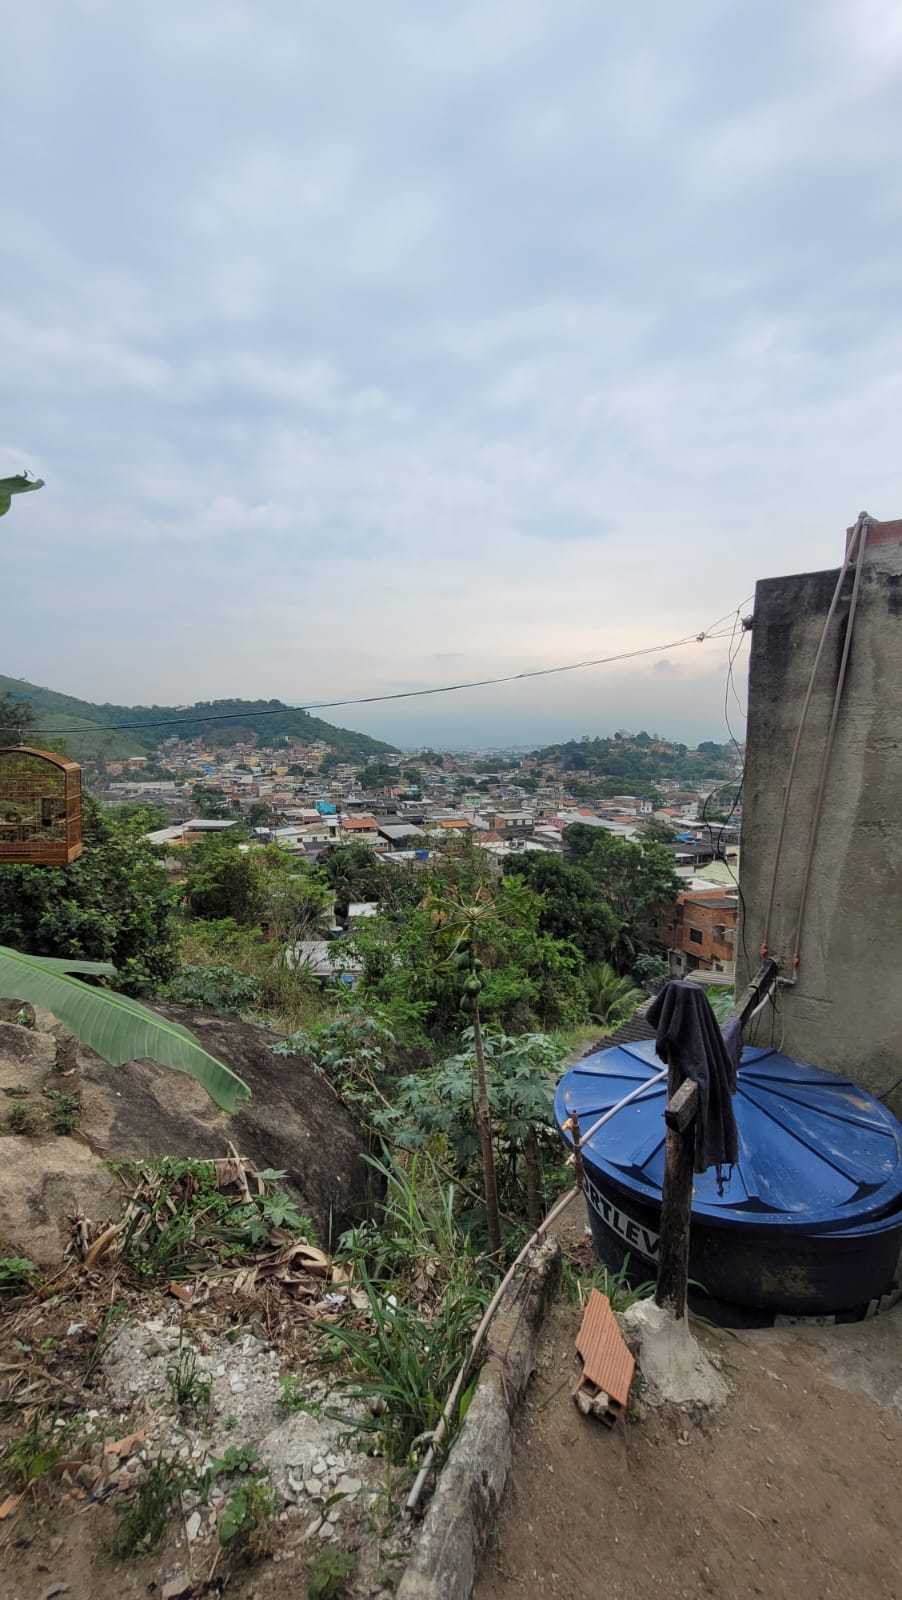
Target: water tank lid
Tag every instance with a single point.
(814, 1150)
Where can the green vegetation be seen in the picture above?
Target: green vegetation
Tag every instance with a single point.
(424, 1282)
(191, 1392)
(65, 1110)
(21, 1117)
(112, 904)
(33, 1455)
(180, 1220)
(16, 1273)
(17, 719)
(329, 1574)
(118, 1028)
(144, 1515)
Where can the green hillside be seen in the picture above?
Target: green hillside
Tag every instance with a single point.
(89, 730)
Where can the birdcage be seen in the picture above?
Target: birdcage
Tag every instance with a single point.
(40, 808)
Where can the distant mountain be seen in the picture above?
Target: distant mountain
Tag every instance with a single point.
(90, 730)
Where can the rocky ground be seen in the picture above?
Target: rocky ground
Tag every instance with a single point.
(202, 1390)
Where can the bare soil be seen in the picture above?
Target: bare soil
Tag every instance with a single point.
(793, 1491)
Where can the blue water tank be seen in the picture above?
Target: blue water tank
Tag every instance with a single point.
(810, 1218)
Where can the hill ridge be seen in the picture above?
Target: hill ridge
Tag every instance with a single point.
(89, 728)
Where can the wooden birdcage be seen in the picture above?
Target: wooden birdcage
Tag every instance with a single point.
(40, 808)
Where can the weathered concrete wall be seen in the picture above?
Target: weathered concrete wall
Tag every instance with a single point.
(845, 1011)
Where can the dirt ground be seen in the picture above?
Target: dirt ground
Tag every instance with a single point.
(793, 1491)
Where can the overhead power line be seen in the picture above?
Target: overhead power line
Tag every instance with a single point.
(714, 632)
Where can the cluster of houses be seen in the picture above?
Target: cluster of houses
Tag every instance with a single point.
(413, 802)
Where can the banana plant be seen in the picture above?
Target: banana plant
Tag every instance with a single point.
(118, 1028)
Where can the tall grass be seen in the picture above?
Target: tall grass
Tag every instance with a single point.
(289, 997)
(425, 1289)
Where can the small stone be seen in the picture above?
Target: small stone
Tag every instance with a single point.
(154, 1346)
(313, 1487)
(87, 1475)
(334, 1514)
(319, 1468)
(193, 1525)
(236, 1384)
(177, 1588)
(325, 1531)
(219, 1371)
(348, 1486)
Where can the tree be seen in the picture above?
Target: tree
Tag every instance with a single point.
(258, 815)
(17, 718)
(636, 880)
(655, 832)
(354, 872)
(212, 803)
(611, 998)
(112, 904)
(222, 881)
(148, 814)
(469, 928)
(572, 907)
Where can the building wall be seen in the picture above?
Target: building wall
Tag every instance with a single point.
(700, 933)
(844, 1011)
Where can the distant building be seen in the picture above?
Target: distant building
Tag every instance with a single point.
(700, 932)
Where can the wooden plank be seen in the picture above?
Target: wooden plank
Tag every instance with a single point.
(679, 1112)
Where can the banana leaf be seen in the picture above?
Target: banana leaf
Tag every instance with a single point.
(118, 1028)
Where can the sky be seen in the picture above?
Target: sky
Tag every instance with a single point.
(374, 347)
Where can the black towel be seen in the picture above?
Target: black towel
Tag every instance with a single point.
(688, 1035)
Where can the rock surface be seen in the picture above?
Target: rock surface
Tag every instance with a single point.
(294, 1123)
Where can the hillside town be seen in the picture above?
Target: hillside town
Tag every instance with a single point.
(303, 799)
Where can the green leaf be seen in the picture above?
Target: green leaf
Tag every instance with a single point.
(16, 485)
(118, 1028)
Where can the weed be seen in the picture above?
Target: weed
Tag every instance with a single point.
(179, 1221)
(190, 1390)
(143, 1518)
(244, 1515)
(230, 1422)
(36, 1452)
(110, 1317)
(16, 1272)
(65, 1110)
(616, 1285)
(21, 1117)
(330, 1573)
(250, 1504)
(237, 1458)
(294, 1394)
(14, 1091)
(404, 1366)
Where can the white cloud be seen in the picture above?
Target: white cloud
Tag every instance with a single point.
(352, 340)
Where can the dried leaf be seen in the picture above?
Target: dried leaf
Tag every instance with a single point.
(182, 1293)
(9, 1506)
(124, 1447)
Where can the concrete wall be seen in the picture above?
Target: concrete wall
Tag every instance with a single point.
(845, 1011)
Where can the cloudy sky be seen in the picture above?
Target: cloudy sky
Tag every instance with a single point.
(376, 346)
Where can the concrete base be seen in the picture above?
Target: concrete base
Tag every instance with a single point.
(673, 1365)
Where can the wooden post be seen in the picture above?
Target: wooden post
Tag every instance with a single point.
(577, 1152)
(676, 1195)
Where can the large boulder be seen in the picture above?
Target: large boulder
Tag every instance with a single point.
(294, 1122)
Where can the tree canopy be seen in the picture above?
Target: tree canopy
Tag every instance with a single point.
(112, 904)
